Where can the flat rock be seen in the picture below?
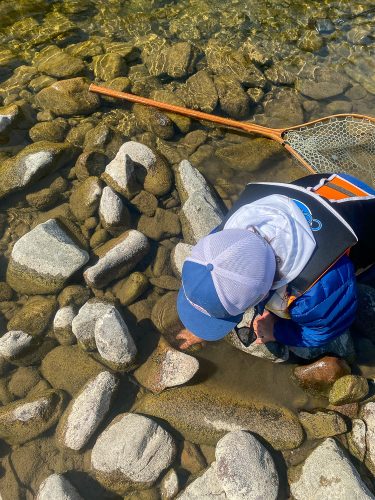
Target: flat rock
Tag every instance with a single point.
(43, 259)
(69, 368)
(200, 92)
(62, 325)
(15, 344)
(114, 215)
(86, 411)
(348, 389)
(109, 66)
(85, 198)
(57, 487)
(68, 98)
(204, 416)
(320, 375)
(178, 256)
(131, 452)
(117, 258)
(166, 367)
(322, 424)
(55, 62)
(114, 341)
(27, 418)
(83, 324)
(320, 90)
(328, 474)
(35, 316)
(245, 468)
(31, 164)
(164, 224)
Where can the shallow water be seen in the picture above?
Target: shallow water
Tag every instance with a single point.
(303, 40)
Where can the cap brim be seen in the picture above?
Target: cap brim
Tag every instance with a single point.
(203, 326)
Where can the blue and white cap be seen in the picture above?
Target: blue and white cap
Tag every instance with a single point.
(226, 273)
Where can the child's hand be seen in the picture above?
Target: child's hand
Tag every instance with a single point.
(263, 327)
(189, 339)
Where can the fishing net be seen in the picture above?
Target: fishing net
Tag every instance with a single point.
(338, 144)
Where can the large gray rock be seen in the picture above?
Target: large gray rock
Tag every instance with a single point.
(201, 211)
(83, 324)
(245, 468)
(31, 164)
(117, 258)
(114, 341)
(328, 474)
(131, 452)
(57, 487)
(86, 411)
(43, 259)
(206, 487)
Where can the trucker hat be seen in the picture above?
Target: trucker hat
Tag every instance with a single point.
(226, 273)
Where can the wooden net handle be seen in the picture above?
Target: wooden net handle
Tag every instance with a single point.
(275, 134)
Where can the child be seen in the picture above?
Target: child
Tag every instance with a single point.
(291, 250)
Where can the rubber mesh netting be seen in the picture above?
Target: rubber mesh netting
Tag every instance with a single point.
(338, 144)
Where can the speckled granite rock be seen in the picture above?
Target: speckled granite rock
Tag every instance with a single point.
(85, 198)
(114, 215)
(43, 259)
(83, 324)
(170, 485)
(62, 325)
(15, 344)
(86, 411)
(357, 438)
(206, 486)
(368, 416)
(131, 452)
(117, 258)
(348, 389)
(322, 424)
(178, 256)
(57, 487)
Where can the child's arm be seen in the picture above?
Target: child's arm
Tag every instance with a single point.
(324, 312)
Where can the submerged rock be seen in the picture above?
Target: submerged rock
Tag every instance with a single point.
(114, 215)
(69, 368)
(85, 198)
(204, 417)
(166, 367)
(31, 164)
(86, 411)
(322, 424)
(35, 316)
(131, 452)
(245, 468)
(55, 62)
(328, 473)
(200, 92)
(129, 289)
(57, 487)
(320, 375)
(43, 259)
(62, 325)
(109, 66)
(114, 341)
(117, 258)
(348, 389)
(68, 98)
(233, 99)
(7, 116)
(164, 224)
(83, 324)
(273, 351)
(25, 419)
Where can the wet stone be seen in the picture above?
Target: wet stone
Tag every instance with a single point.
(75, 295)
(8, 114)
(57, 63)
(130, 289)
(32, 163)
(155, 121)
(164, 224)
(109, 66)
(233, 99)
(146, 203)
(167, 282)
(206, 486)
(348, 389)
(273, 351)
(69, 368)
(6, 293)
(183, 123)
(23, 380)
(239, 455)
(114, 216)
(131, 452)
(181, 58)
(54, 131)
(62, 325)
(337, 476)
(68, 98)
(117, 258)
(368, 416)
(166, 367)
(43, 259)
(86, 411)
(28, 418)
(320, 375)
(85, 198)
(322, 424)
(57, 487)
(200, 92)
(83, 324)
(34, 317)
(357, 439)
(114, 341)
(320, 90)
(15, 344)
(90, 163)
(192, 459)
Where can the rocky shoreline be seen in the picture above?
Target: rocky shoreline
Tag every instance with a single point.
(100, 202)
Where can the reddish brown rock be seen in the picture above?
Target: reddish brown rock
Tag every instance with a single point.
(192, 459)
(320, 375)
